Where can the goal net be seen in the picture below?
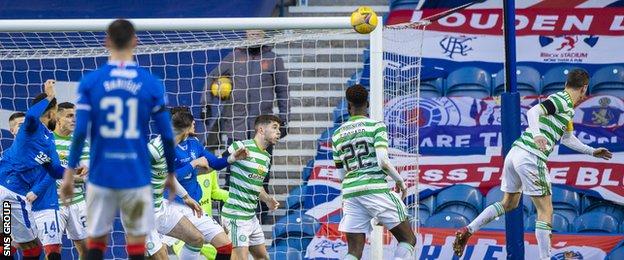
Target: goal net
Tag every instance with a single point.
(298, 73)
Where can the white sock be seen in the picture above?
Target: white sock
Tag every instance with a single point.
(350, 257)
(403, 251)
(488, 214)
(543, 232)
(189, 252)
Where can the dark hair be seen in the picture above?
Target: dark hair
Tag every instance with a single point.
(577, 78)
(357, 95)
(65, 105)
(267, 119)
(120, 32)
(181, 117)
(16, 115)
(43, 96)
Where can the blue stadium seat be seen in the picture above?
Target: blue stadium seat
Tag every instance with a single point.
(284, 252)
(295, 198)
(554, 79)
(432, 88)
(595, 222)
(307, 171)
(559, 223)
(427, 204)
(616, 254)
(447, 220)
(469, 81)
(296, 225)
(495, 194)
(566, 203)
(589, 204)
(529, 81)
(497, 223)
(460, 198)
(608, 81)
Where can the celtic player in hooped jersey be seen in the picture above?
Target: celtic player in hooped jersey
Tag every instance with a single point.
(524, 169)
(360, 151)
(239, 212)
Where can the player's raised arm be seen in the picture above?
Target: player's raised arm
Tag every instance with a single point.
(568, 139)
(31, 122)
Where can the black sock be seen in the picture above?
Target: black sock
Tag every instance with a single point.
(95, 254)
(136, 257)
(54, 256)
(222, 256)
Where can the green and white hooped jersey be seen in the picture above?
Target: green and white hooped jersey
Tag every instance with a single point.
(62, 148)
(354, 144)
(246, 178)
(159, 170)
(552, 126)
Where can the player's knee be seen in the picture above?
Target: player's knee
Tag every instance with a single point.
(196, 240)
(510, 203)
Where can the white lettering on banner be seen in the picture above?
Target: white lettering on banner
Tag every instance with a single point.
(576, 22)
(606, 179)
(521, 22)
(457, 20)
(589, 138)
(618, 23)
(545, 22)
(433, 175)
(475, 21)
(487, 139)
(487, 172)
(462, 141)
(558, 175)
(458, 175)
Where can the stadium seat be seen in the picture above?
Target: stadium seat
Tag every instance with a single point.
(295, 198)
(447, 220)
(595, 222)
(460, 198)
(559, 223)
(427, 204)
(590, 204)
(566, 203)
(616, 254)
(608, 81)
(497, 223)
(432, 88)
(528, 80)
(554, 79)
(469, 81)
(284, 252)
(296, 225)
(307, 171)
(495, 194)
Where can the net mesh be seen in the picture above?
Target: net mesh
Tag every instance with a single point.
(316, 65)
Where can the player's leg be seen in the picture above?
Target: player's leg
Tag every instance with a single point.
(155, 247)
(391, 212)
(238, 231)
(257, 241)
(49, 232)
(193, 239)
(137, 214)
(356, 223)
(537, 185)
(214, 234)
(511, 185)
(23, 228)
(77, 227)
(102, 205)
(161, 254)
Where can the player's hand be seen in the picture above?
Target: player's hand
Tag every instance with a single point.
(82, 172)
(200, 162)
(48, 88)
(170, 185)
(67, 186)
(193, 205)
(31, 196)
(603, 153)
(541, 142)
(241, 154)
(402, 188)
(272, 203)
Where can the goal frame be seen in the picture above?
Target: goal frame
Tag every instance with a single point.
(206, 24)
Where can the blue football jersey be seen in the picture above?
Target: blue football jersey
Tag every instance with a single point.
(117, 100)
(22, 165)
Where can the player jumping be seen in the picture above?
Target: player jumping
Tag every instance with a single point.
(177, 220)
(360, 152)
(239, 212)
(116, 102)
(26, 163)
(525, 171)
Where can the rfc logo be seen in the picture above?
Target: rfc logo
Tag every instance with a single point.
(568, 255)
(603, 112)
(329, 245)
(452, 45)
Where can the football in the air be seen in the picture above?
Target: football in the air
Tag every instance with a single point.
(364, 20)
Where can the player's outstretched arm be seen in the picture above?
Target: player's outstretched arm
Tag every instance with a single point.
(41, 186)
(220, 163)
(384, 162)
(31, 122)
(271, 202)
(569, 140)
